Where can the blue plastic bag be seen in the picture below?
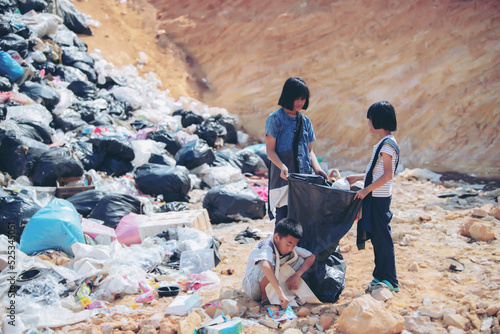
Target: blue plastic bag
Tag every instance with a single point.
(9, 67)
(56, 226)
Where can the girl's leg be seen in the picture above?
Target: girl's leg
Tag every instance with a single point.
(383, 248)
(281, 213)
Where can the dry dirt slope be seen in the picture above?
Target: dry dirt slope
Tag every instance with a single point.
(436, 61)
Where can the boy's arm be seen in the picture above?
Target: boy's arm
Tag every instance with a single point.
(294, 280)
(269, 273)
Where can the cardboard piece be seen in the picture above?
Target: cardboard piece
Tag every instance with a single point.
(182, 304)
(221, 325)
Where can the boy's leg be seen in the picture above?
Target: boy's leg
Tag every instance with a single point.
(383, 247)
(254, 285)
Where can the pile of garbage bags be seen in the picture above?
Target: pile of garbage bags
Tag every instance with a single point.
(84, 146)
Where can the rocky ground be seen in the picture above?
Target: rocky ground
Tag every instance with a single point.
(427, 229)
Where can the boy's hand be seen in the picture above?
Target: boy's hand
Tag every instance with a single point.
(283, 301)
(293, 282)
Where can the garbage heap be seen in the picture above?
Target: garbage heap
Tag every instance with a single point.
(98, 167)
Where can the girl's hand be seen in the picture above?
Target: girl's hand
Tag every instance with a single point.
(361, 193)
(354, 178)
(321, 172)
(284, 172)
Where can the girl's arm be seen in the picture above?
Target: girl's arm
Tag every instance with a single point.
(315, 164)
(355, 178)
(386, 177)
(273, 156)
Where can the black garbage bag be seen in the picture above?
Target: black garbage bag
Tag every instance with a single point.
(5, 26)
(3, 111)
(171, 182)
(139, 124)
(229, 123)
(36, 130)
(188, 117)
(194, 154)
(48, 95)
(85, 90)
(328, 215)
(115, 166)
(81, 45)
(8, 6)
(114, 146)
(70, 55)
(87, 69)
(84, 151)
(232, 202)
(15, 213)
(245, 160)
(173, 206)
(112, 81)
(36, 5)
(5, 84)
(87, 113)
(210, 131)
(22, 153)
(69, 122)
(73, 19)
(111, 208)
(56, 162)
(102, 120)
(119, 109)
(162, 160)
(163, 135)
(48, 67)
(86, 201)
(14, 42)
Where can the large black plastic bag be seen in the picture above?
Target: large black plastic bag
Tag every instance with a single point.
(83, 89)
(56, 162)
(84, 151)
(210, 131)
(48, 95)
(7, 6)
(112, 208)
(86, 201)
(162, 160)
(36, 5)
(87, 69)
(173, 206)
(69, 122)
(38, 130)
(116, 147)
(166, 136)
(171, 182)
(5, 84)
(16, 211)
(14, 42)
(19, 154)
(233, 201)
(194, 154)
(115, 167)
(188, 117)
(245, 160)
(230, 124)
(73, 19)
(326, 217)
(72, 55)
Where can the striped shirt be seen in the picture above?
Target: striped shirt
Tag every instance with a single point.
(386, 189)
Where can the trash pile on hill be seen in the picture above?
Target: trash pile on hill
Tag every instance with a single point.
(97, 169)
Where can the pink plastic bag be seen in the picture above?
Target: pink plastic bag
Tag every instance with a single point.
(102, 234)
(127, 231)
(262, 191)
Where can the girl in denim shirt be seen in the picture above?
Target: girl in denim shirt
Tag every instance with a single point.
(287, 151)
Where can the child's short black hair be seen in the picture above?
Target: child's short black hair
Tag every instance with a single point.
(288, 226)
(383, 116)
(293, 89)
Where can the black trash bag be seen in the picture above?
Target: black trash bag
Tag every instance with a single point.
(86, 201)
(327, 217)
(112, 208)
(245, 160)
(74, 20)
(162, 160)
(49, 67)
(37, 130)
(22, 153)
(166, 136)
(5, 26)
(230, 124)
(194, 154)
(3, 111)
(87, 113)
(36, 5)
(115, 167)
(83, 89)
(87, 69)
(119, 109)
(71, 55)
(14, 42)
(210, 131)
(171, 182)
(114, 146)
(8, 6)
(15, 213)
(232, 202)
(56, 162)
(81, 45)
(139, 124)
(69, 122)
(173, 206)
(48, 95)
(102, 120)
(27, 33)
(5, 84)
(188, 117)
(84, 151)
(112, 81)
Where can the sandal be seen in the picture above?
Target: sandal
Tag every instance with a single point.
(265, 303)
(385, 284)
(371, 285)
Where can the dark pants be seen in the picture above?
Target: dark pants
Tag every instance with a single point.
(383, 248)
(281, 213)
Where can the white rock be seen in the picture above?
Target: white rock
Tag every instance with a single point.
(382, 294)
(455, 320)
(433, 312)
(419, 325)
(427, 301)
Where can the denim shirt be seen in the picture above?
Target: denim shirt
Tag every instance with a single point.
(282, 126)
